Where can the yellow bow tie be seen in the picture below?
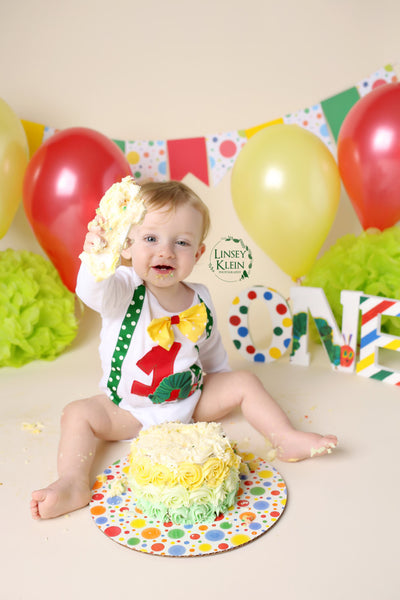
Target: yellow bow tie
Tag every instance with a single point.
(190, 322)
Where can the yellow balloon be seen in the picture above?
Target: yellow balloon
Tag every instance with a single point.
(286, 189)
(14, 154)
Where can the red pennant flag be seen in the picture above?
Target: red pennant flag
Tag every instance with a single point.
(188, 156)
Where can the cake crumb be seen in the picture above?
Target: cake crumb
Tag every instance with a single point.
(270, 452)
(35, 428)
(270, 455)
(254, 464)
(118, 487)
(322, 450)
(244, 469)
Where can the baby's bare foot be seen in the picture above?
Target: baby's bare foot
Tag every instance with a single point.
(59, 498)
(293, 445)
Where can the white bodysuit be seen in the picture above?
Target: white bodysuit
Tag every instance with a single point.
(156, 385)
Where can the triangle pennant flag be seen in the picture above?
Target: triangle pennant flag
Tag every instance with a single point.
(337, 107)
(34, 134)
(313, 119)
(223, 149)
(188, 156)
(120, 144)
(384, 75)
(148, 160)
(253, 130)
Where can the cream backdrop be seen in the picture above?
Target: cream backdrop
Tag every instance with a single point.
(143, 70)
(173, 69)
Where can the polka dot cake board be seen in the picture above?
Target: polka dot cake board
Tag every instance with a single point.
(260, 503)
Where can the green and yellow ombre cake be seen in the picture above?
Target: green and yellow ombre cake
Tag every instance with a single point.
(183, 473)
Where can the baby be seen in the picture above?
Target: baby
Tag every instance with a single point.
(161, 352)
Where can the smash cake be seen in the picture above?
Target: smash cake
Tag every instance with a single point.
(183, 473)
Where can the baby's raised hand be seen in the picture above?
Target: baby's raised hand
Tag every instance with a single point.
(120, 208)
(94, 240)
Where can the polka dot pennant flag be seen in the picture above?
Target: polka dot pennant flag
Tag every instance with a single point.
(313, 120)
(222, 151)
(384, 75)
(48, 132)
(148, 160)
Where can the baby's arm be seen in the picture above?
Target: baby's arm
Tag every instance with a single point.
(213, 355)
(95, 240)
(98, 293)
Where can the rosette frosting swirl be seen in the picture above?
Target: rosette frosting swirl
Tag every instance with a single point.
(185, 473)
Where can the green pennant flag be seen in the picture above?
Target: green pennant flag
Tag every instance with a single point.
(120, 144)
(336, 108)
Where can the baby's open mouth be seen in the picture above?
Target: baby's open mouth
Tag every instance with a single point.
(163, 268)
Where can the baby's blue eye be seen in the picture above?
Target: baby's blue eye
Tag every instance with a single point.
(150, 238)
(182, 243)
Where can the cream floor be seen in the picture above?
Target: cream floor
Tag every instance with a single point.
(337, 538)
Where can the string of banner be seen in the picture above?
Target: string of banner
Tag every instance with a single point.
(210, 157)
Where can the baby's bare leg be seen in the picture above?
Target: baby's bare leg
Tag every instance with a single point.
(83, 424)
(223, 392)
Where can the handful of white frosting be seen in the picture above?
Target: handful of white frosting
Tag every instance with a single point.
(119, 209)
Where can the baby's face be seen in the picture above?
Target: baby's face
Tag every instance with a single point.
(165, 247)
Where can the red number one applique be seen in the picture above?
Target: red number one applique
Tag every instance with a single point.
(158, 361)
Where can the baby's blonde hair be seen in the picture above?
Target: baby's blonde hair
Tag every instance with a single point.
(170, 195)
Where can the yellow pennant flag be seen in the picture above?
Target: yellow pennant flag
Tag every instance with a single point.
(34, 133)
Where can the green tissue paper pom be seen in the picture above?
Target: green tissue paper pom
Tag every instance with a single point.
(369, 263)
(37, 312)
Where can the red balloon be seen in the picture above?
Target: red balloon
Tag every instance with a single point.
(369, 157)
(63, 185)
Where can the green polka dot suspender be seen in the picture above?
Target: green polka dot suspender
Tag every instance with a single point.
(210, 320)
(124, 339)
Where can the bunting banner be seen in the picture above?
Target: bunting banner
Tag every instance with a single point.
(210, 157)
